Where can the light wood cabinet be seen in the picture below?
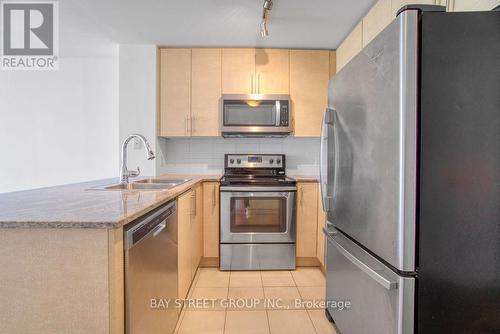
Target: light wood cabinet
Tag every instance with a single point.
(191, 82)
(397, 4)
(350, 46)
(333, 63)
(272, 70)
(190, 88)
(196, 237)
(211, 219)
(255, 71)
(189, 237)
(175, 92)
(320, 246)
(184, 217)
(205, 91)
(309, 75)
(376, 20)
(470, 5)
(307, 219)
(238, 71)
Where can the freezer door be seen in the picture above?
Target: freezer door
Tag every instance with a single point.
(374, 183)
(381, 302)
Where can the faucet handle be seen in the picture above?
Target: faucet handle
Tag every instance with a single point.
(134, 173)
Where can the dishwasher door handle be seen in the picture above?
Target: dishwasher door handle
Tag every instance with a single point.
(157, 230)
(150, 226)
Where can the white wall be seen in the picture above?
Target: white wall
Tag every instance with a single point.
(62, 126)
(206, 155)
(138, 102)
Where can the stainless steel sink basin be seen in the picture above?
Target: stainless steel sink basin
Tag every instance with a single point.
(146, 184)
(138, 186)
(163, 181)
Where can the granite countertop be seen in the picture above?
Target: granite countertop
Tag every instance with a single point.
(75, 206)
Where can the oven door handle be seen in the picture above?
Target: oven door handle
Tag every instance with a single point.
(256, 189)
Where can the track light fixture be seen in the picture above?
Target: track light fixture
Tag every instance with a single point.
(266, 8)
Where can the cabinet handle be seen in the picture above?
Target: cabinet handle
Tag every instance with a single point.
(253, 84)
(191, 122)
(194, 202)
(186, 125)
(301, 196)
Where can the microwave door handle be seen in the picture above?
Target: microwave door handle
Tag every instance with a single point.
(278, 113)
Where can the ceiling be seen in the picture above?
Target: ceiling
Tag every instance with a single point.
(226, 23)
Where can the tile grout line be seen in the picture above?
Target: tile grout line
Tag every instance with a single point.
(225, 309)
(312, 322)
(305, 309)
(265, 308)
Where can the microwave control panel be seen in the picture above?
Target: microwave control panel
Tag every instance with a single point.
(284, 119)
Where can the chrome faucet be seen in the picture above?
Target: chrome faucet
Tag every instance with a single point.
(124, 172)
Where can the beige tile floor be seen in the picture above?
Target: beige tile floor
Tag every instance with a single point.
(250, 313)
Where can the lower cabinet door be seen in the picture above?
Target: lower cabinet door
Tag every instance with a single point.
(307, 219)
(211, 219)
(380, 301)
(196, 228)
(184, 213)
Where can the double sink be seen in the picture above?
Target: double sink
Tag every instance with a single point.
(145, 184)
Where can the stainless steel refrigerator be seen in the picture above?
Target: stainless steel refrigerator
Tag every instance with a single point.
(410, 178)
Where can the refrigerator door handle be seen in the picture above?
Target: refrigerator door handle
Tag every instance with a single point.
(323, 176)
(377, 275)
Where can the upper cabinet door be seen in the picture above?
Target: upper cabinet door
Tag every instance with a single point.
(376, 20)
(175, 92)
(309, 75)
(333, 63)
(205, 91)
(350, 46)
(397, 4)
(238, 71)
(272, 69)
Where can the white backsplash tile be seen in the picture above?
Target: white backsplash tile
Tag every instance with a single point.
(206, 155)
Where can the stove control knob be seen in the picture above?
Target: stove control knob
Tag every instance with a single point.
(231, 161)
(271, 161)
(238, 161)
(278, 161)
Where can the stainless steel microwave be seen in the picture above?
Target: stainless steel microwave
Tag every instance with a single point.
(255, 115)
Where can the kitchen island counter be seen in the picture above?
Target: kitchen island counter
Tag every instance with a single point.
(80, 206)
(62, 248)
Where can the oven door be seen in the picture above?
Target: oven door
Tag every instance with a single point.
(257, 214)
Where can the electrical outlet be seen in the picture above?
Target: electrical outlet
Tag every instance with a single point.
(137, 144)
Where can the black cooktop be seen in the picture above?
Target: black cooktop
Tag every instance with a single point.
(255, 170)
(250, 180)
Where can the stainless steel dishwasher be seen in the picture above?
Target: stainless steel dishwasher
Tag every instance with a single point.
(150, 247)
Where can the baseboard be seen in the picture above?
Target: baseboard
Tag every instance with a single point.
(307, 262)
(209, 262)
(213, 262)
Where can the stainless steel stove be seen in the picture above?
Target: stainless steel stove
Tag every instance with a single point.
(257, 210)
